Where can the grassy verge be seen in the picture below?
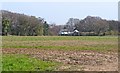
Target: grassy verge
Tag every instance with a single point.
(24, 63)
(57, 38)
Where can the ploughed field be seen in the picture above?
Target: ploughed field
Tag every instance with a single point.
(60, 53)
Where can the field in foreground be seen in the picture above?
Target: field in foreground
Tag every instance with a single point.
(60, 53)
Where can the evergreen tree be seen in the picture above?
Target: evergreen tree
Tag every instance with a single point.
(45, 28)
(5, 26)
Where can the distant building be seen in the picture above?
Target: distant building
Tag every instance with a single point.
(76, 32)
(66, 32)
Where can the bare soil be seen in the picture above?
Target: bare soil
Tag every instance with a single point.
(72, 60)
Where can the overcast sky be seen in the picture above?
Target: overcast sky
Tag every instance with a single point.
(60, 12)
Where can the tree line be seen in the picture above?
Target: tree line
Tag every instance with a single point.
(94, 26)
(25, 25)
